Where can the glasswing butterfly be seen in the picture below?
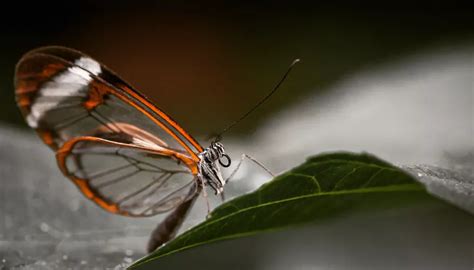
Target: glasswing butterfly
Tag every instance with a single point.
(113, 143)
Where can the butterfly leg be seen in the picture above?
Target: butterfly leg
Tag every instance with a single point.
(242, 158)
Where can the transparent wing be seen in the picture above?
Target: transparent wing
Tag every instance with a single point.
(64, 94)
(127, 179)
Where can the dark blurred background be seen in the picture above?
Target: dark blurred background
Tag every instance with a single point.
(208, 62)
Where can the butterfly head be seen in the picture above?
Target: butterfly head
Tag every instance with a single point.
(209, 169)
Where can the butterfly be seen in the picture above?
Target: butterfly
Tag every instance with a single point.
(120, 150)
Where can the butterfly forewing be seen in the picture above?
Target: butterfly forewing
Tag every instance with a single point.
(119, 149)
(64, 94)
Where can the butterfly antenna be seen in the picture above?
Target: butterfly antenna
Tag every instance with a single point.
(263, 100)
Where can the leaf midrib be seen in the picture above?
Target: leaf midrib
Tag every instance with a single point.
(390, 188)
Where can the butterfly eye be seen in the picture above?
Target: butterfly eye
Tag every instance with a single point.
(227, 164)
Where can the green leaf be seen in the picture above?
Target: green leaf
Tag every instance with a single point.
(325, 186)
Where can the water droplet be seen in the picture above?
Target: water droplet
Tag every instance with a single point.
(64, 257)
(129, 252)
(4, 260)
(420, 174)
(44, 227)
(127, 260)
(120, 266)
(83, 262)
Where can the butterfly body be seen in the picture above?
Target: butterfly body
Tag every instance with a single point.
(209, 170)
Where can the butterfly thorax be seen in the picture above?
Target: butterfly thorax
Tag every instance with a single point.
(209, 169)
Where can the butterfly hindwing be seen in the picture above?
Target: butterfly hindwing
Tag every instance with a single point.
(126, 178)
